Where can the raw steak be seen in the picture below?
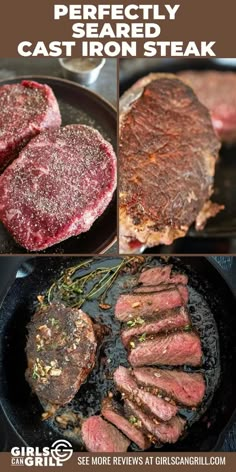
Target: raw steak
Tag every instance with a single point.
(167, 432)
(135, 305)
(216, 90)
(187, 388)
(101, 436)
(126, 383)
(62, 181)
(25, 110)
(167, 321)
(174, 349)
(168, 150)
(113, 413)
(61, 350)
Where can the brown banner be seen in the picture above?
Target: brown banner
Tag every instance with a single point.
(125, 462)
(196, 20)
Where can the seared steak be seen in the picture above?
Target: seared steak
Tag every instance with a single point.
(168, 150)
(176, 318)
(186, 388)
(162, 275)
(132, 305)
(126, 384)
(112, 411)
(100, 436)
(60, 349)
(173, 349)
(215, 89)
(168, 432)
(60, 184)
(26, 109)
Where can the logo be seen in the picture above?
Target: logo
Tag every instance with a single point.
(54, 456)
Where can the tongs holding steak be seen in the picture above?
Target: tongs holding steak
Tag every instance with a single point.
(60, 350)
(26, 109)
(62, 181)
(125, 383)
(168, 150)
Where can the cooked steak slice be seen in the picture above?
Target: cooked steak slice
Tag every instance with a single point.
(168, 150)
(26, 109)
(112, 412)
(60, 184)
(177, 318)
(186, 388)
(130, 306)
(101, 436)
(162, 275)
(126, 384)
(167, 432)
(61, 348)
(174, 349)
(215, 89)
(153, 288)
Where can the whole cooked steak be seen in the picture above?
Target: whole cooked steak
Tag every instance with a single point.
(62, 181)
(215, 89)
(26, 109)
(168, 150)
(60, 350)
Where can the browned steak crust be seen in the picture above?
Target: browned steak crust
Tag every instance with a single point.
(60, 349)
(168, 150)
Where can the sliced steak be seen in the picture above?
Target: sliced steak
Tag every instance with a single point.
(60, 184)
(112, 412)
(215, 89)
(60, 350)
(186, 388)
(126, 384)
(101, 436)
(153, 288)
(168, 432)
(168, 150)
(162, 275)
(130, 306)
(177, 318)
(174, 349)
(26, 109)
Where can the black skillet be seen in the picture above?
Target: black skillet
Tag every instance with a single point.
(77, 105)
(22, 409)
(217, 235)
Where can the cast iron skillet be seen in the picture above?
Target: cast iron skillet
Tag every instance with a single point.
(215, 238)
(22, 409)
(77, 105)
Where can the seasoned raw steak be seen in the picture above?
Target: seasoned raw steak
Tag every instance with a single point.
(60, 184)
(165, 432)
(101, 436)
(25, 110)
(112, 412)
(60, 349)
(187, 388)
(168, 150)
(216, 90)
(174, 349)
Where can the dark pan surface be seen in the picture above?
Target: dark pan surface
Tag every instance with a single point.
(212, 306)
(77, 105)
(224, 224)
